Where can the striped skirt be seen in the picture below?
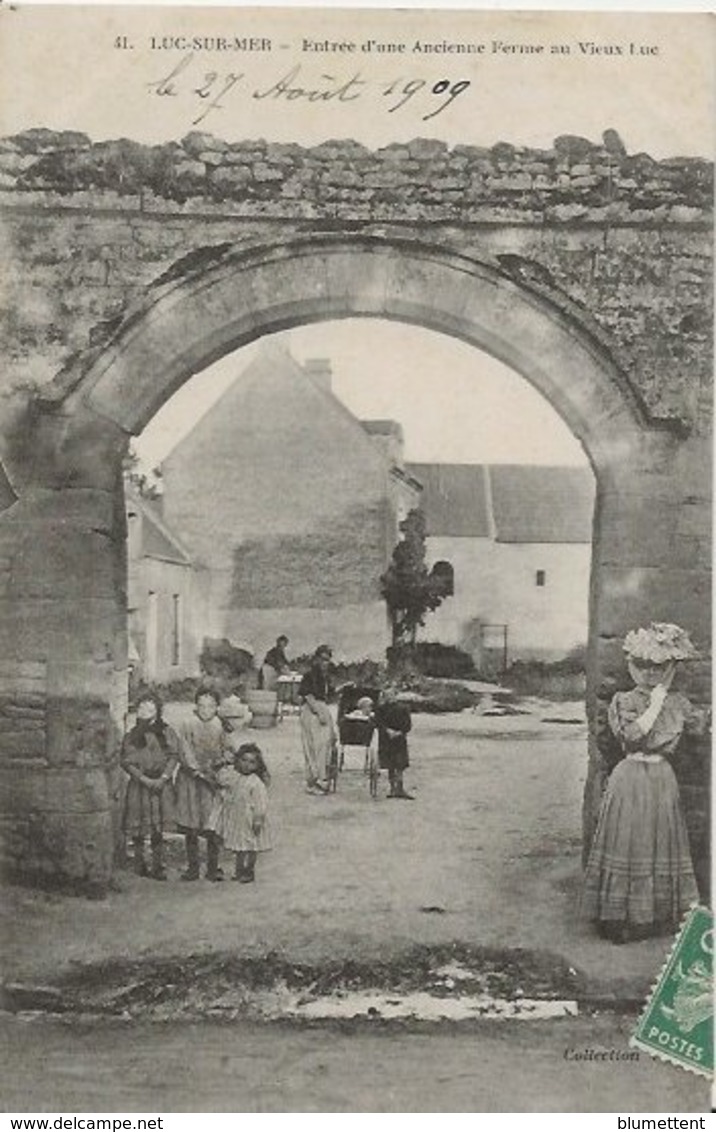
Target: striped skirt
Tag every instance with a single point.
(639, 870)
(231, 820)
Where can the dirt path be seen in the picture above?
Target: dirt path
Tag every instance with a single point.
(204, 1067)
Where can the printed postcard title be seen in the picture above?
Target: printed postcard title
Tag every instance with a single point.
(337, 71)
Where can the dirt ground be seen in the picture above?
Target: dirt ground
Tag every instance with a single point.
(489, 853)
(53, 1066)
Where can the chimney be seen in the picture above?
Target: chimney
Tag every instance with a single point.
(319, 370)
(388, 437)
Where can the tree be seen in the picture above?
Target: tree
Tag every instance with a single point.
(146, 485)
(409, 589)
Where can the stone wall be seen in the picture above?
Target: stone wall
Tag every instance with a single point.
(62, 686)
(622, 239)
(423, 179)
(23, 710)
(329, 563)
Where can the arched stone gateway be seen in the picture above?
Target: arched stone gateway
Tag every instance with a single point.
(63, 603)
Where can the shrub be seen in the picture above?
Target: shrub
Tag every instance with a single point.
(447, 661)
(436, 697)
(179, 691)
(220, 660)
(558, 679)
(431, 658)
(366, 672)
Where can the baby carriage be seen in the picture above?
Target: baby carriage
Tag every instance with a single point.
(356, 730)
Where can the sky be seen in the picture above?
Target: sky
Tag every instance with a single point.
(455, 403)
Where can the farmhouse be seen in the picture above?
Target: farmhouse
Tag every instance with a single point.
(280, 512)
(519, 541)
(291, 506)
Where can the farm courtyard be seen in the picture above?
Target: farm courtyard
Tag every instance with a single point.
(487, 856)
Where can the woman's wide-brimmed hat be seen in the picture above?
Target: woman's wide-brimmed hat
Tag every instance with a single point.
(660, 643)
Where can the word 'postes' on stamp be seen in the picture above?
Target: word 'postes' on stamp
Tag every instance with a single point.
(677, 1024)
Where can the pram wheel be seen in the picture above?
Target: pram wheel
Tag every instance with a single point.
(373, 774)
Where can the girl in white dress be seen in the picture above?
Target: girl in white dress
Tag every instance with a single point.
(240, 812)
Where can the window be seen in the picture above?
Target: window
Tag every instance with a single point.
(176, 628)
(444, 573)
(541, 578)
(152, 636)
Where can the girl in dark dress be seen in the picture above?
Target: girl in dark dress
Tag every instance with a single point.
(394, 723)
(149, 756)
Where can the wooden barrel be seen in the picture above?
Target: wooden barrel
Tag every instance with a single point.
(263, 706)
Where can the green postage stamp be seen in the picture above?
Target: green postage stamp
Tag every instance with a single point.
(677, 1024)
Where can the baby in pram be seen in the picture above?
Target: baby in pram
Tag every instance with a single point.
(364, 710)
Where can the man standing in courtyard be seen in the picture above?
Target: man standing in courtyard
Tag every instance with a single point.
(275, 664)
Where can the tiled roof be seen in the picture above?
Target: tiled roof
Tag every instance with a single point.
(156, 544)
(454, 499)
(271, 372)
(530, 502)
(383, 428)
(533, 503)
(157, 540)
(7, 494)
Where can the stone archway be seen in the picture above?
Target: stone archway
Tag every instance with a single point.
(63, 609)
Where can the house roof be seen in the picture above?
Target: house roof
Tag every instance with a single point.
(274, 363)
(383, 428)
(454, 499)
(397, 473)
(516, 503)
(158, 541)
(542, 504)
(7, 494)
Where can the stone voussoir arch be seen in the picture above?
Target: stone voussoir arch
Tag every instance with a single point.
(71, 623)
(218, 299)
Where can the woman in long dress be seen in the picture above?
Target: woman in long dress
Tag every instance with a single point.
(318, 731)
(639, 878)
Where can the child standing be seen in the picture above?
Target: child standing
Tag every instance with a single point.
(201, 754)
(240, 814)
(149, 756)
(394, 723)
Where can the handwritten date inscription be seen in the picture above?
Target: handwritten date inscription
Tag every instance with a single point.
(212, 91)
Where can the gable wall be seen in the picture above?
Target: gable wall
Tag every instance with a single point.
(495, 584)
(285, 501)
